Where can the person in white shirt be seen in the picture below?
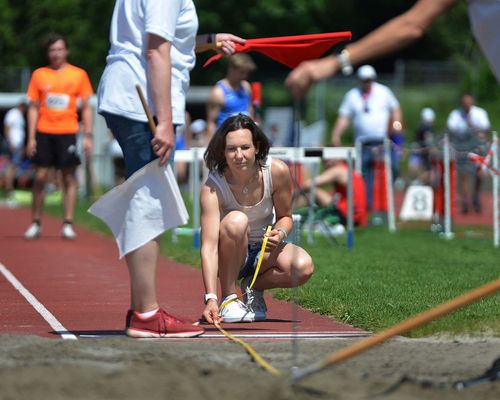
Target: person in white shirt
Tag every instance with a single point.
(153, 46)
(372, 108)
(468, 127)
(15, 134)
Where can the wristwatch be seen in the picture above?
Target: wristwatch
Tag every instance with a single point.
(345, 63)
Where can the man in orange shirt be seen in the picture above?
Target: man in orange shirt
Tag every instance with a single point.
(52, 126)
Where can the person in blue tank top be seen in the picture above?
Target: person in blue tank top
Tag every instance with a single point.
(231, 95)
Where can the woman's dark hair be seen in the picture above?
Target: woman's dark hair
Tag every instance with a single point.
(215, 159)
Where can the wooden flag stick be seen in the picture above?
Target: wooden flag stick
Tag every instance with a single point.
(200, 48)
(151, 121)
(409, 324)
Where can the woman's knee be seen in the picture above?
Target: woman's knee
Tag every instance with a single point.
(304, 267)
(234, 225)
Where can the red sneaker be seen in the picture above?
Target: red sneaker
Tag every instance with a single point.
(161, 325)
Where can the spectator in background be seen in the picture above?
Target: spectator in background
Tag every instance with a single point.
(231, 95)
(334, 202)
(468, 126)
(199, 134)
(15, 135)
(53, 92)
(371, 107)
(420, 157)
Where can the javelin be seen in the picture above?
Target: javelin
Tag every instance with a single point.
(411, 323)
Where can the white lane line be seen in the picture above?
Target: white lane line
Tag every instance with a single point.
(277, 335)
(289, 335)
(39, 307)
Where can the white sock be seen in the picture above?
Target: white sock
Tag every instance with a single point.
(149, 313)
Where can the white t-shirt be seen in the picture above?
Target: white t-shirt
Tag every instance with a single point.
(461, 124)
(484, 17)
(370, 114)
(14, 119)
(174, 20)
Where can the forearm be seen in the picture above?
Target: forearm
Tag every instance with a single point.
(338, 130)
(398, 32)
(210, 269)
(32, 121)
(87, 119)
(159, 81)
(285, 223)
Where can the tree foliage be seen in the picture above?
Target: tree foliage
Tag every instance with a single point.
(24, 24)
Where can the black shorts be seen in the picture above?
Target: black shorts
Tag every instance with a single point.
(56, 150)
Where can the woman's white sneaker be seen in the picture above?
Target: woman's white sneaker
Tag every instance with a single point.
(254, 299)
(236, 310)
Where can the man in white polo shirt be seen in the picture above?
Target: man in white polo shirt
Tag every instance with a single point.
(468, 126)
(374, 111)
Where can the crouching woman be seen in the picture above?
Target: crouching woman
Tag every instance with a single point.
(245, 192)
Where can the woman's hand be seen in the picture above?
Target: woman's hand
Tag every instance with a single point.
(211, 312)
(274, 239)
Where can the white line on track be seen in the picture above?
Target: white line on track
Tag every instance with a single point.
(262, 335)
(290, 335)
(39, 307)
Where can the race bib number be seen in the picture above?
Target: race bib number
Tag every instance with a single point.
(57, 101)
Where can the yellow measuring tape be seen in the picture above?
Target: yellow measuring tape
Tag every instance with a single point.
(256, 356)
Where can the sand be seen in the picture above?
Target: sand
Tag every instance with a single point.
(121, 368)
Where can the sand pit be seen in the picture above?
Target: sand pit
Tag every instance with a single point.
(39, 368)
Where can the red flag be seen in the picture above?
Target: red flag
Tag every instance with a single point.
(291, 50)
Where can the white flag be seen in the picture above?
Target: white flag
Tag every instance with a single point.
(143, 207)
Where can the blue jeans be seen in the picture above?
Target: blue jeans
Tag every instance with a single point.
(134, 138)
(248, 268)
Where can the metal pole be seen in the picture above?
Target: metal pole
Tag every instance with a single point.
(312, 203)
(391, 221)
(447, 234)
(359, 153)
(350, 181)
(496, 234)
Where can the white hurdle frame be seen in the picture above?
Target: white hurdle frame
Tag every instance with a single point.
(304, 155)
(447, 233)
(495, 178)
(391, 219)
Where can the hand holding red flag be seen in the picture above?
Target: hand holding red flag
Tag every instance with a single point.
(291, 50)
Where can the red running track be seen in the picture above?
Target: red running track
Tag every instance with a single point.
(84, 286)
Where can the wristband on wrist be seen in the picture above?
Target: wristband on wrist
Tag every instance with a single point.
(345, 63)
(285, 235)
(210, 38)
(210, 296)
(396, 125)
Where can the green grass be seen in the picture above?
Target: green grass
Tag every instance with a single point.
(388, 277)
(385, 278)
